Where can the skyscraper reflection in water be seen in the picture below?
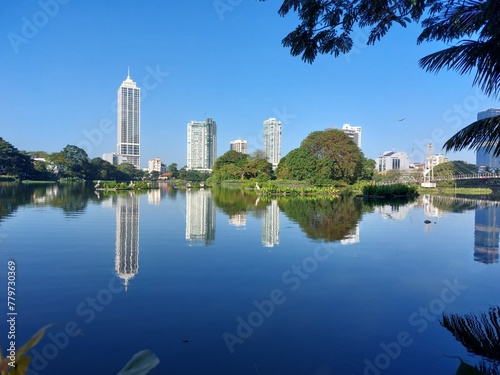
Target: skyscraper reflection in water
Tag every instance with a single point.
(200, 217)
(127, 236)
(487, 234)
(271, 225)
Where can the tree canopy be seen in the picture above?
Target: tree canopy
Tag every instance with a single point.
(14, 162)
(340, 157)
(325, 156)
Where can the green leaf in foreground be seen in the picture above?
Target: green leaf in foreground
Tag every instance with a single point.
(140, 364)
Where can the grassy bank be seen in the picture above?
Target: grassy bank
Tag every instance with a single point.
(453, 191)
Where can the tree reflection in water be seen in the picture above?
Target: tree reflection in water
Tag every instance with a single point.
(480, 335)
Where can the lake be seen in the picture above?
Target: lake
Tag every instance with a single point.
(223, 281)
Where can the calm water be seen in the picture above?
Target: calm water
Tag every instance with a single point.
(221, 282)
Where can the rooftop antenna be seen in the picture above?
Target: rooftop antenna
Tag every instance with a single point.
(128, 72)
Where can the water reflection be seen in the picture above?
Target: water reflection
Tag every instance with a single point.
(480, 335)
(487, 234)
(486, 223)
(71, 198)
(326, 219)
(200, 217)
(271, 225)
(127, 236)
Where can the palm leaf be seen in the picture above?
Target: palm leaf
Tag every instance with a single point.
(31, 343)
(481, 133)
(140, 364)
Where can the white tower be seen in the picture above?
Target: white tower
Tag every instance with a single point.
(129, 123)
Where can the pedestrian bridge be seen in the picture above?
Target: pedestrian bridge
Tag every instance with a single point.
(463, 176)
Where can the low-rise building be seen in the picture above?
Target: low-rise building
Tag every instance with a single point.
(393, 160)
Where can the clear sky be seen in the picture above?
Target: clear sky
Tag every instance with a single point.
(62, 62)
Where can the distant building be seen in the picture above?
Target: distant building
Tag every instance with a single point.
(239, 145)
(110, 158)
(156, 165)
(484, 158)
(433, 160)
(272, 141)
(391, 160)
(129, 123)
(354, 132)
(201, 145)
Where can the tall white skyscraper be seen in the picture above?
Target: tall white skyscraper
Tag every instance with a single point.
(201, 144)
(272, 141)
(354, 132)
(129, 123)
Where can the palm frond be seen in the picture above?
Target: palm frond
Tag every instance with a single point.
(463, 58)
(481, 133)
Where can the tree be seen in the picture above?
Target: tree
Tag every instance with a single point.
(230, 157)
(340, 158)
(368, 170)
(326, 27)
(72, 161)
(257, 168)
(14, 162)
(130, 171)
(172, 169)
(302, 165)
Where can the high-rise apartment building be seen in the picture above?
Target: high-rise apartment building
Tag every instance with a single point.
(354, 132)
(487, 158)
(272, 141)
(201, 145)
(239, 145)
(129, 123)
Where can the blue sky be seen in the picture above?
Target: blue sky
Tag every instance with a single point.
(62, 62)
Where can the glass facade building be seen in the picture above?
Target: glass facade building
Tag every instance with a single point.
(486, 158)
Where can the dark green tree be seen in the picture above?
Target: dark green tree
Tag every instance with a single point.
(368, 170)
(230, 157)
(72, 161)
(130, 171)
(340, 157)
(172, 169)
(257, 168)
(104, 170)
(15, 163)
(302, 165)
